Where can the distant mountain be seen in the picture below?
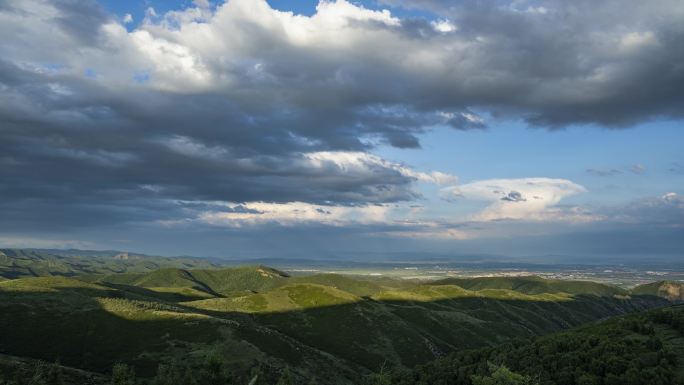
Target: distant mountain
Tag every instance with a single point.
(16, 263)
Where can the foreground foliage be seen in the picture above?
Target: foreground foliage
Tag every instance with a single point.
(627, 351)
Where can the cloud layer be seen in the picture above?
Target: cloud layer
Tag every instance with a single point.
(239, 113)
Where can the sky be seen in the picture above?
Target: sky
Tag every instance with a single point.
(546, 131)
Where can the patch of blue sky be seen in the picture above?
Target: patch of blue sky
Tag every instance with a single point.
(142, 77)
(138, 8)
(513, 150)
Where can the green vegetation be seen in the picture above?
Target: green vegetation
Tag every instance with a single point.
(254, 323)
(534, 285)
(673, 291)
(634, 349)
(17, 263)
(501, 375)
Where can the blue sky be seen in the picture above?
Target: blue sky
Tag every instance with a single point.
(350, 130)
(304, 7)
(513, 150)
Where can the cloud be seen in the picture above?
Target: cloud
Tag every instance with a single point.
(244, 104)
(638, 168)
(257, 213)
(664, 211)
(603, 172)
(534, 199)
(514, 196)
(676, 168)
(607, 172)
(444, 26)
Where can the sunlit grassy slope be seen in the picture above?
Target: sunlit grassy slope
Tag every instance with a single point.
(674, 291)
(534, 285)
(258, 315)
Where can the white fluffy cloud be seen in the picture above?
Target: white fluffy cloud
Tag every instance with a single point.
(361, 164)
(255, 213)
(524, 199)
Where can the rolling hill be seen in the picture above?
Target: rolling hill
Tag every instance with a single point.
(673, 291)
(534, 285)
(259, 317)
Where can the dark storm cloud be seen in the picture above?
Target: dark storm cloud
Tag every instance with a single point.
(557, 63)
(101, 125)
(81, 19)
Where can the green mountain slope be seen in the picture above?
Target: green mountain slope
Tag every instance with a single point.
(201, 283)
(672, 291)
(643, 348)
(257, 316)
(534, 285)
(90, 326)
(22, 368)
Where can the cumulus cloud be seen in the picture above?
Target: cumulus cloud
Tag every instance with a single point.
(292, 213)
(360, 165)
(521, 199)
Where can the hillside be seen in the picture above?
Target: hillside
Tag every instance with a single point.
(17, 263)
(672, 291)
(642, 348)
(534, 285)
(260, 317)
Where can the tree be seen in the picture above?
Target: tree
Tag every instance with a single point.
(501, 375)
(188, 378)
(55, 375)
(168, 374)
(286, 378)
(122, 374)
(257, 376)
(214, 372)
(38, 375)
(171, 373)
(383, 377)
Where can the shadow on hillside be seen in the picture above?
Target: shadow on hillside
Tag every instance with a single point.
(77, 327)
(160, 295)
